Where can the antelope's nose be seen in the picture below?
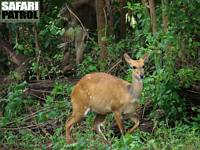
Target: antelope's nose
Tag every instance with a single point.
(141, 76)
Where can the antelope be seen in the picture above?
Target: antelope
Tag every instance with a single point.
(104, 94)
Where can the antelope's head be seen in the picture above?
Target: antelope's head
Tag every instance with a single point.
(136, 65)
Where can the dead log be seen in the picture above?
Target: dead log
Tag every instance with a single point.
(191, 94)
(41, 88)
(21, 61)
(11, 54)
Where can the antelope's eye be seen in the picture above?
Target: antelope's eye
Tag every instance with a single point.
(133, 67)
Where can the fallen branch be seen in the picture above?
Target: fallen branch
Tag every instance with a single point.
(115, 65)
(82, 26)
(32, 126)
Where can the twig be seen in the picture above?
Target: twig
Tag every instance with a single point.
(3, 100)
(143, 111)
(33, 126)
(80, 23)
(115, 65)
(25, 127)
(3, 146)
(193, 91)
(76, 17)
(46, 109)
(106, 22)
(38, 97)
(32, 115)
(44, 91)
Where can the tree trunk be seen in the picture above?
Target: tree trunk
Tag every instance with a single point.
(153, 15)
(164, 15)
(11, 54)
(110, 17)
(78, 3)
(101, 27)
(122, 19)
(9, 36)
(79, 44)
(145, 3)
(37, 49)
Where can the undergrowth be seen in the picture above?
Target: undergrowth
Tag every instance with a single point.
(40, 127)
(28, 122)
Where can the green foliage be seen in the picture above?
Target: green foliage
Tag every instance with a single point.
(16, 116)
(187, 76)
(15, 104)
(173, 65)
(87, 66)
(164, 94)
(116, 49)
(51, 31)
(167, 56)
(25, 47)
(177, 138)
(44, 71)
(138, 17)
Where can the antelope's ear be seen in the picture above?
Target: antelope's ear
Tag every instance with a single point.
(127, 58)
(145, 57)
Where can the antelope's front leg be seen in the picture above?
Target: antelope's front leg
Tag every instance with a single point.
(118, 120)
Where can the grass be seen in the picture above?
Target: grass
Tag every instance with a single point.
(180, 137)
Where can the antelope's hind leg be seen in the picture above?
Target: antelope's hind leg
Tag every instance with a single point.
(136, 121)
(76, 116)
(98, 121)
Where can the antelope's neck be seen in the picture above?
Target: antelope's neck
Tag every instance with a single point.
(137, 87)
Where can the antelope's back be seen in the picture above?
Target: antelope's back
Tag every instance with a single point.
(101, 90)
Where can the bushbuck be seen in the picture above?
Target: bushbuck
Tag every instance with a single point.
(104, 93)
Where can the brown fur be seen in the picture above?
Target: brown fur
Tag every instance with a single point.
(103, 94)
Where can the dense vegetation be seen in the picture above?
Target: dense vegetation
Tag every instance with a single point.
(39, 66)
